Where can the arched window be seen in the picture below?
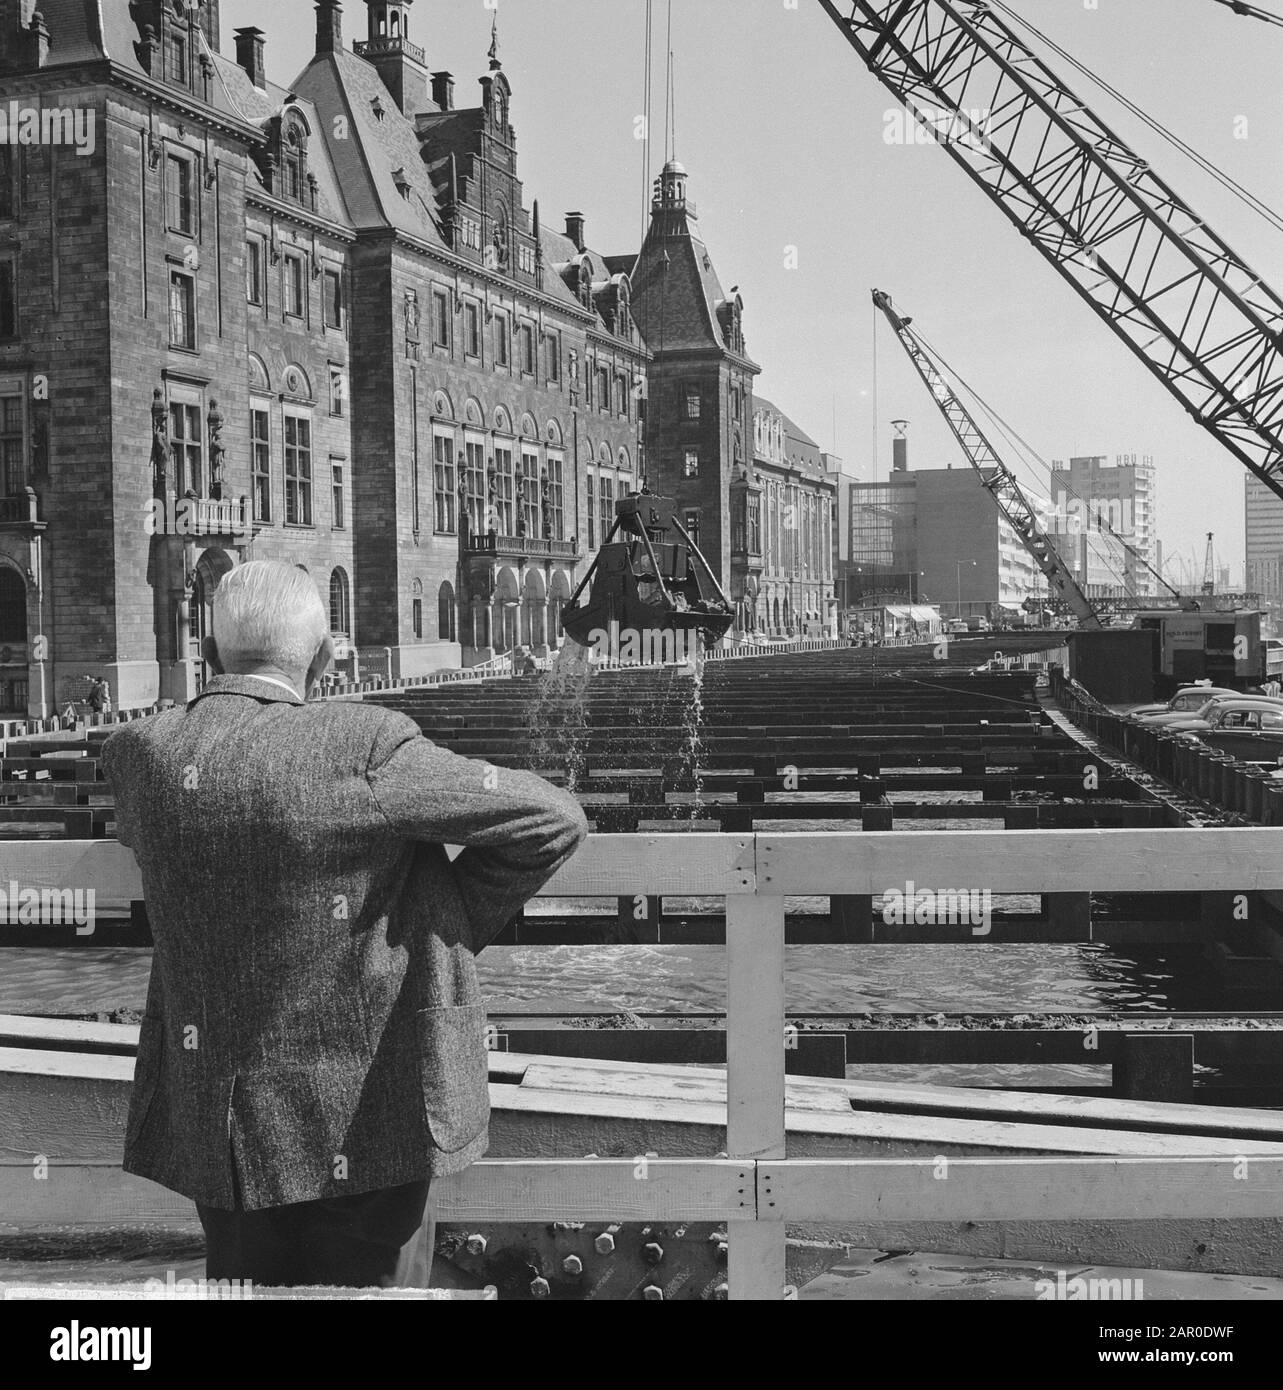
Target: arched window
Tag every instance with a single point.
(445, 613)
(259, 379)
(294, 165)
(340, 605)
(13, 606)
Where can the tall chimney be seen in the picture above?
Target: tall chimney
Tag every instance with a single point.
(249, 55)
(900, 447)
(329, 26)
(443, 90)
(575, 229)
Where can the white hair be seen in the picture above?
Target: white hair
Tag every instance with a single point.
(269, 612)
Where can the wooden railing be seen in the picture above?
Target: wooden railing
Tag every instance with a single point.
(757, 1189)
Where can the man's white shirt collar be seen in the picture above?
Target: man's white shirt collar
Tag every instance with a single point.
(271, 680)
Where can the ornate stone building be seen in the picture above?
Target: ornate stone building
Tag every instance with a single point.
(316, 323)
(700, 413)
(323, 324)
(798, 510)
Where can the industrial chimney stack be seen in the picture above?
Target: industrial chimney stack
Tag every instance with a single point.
(900, 447)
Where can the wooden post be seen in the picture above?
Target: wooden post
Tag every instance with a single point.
(638, 918)
(852, 916)
(755, 1079)
(1071, 910)
(996, 789)
(877, 817)
(1156, 1066)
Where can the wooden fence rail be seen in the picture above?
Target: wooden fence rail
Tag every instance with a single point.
(756, 1188)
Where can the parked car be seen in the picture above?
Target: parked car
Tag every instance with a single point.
(1249, 730)
(1202, 716)
(1188, 699)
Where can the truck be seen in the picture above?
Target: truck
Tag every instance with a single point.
(1223, 647)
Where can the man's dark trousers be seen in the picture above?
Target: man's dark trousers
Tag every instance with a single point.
(373, 1239)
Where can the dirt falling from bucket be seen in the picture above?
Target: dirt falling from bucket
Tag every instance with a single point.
(558, 718)
(692, 724)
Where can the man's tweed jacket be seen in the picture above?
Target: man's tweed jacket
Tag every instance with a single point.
(313, 1017)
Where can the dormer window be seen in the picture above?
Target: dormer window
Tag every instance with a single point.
(293, 166)
(291, 152)
(176, 53)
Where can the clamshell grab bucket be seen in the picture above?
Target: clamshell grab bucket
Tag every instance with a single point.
(643, 583)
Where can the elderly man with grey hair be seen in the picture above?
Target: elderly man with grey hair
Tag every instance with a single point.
(313, 1049)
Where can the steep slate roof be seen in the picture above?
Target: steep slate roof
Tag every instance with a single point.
(354, 176)
(800, 449)
(76, 33)
(341, 84)
(559, 251)
(259, 106)
(87, 31)
(675, 291)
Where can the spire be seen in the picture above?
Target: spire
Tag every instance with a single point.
(495, 63)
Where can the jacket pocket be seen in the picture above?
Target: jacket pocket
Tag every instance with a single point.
(454, 1073)
(148, 1066)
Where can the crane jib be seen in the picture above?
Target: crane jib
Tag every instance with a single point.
(1002, 486)
(1191, 310)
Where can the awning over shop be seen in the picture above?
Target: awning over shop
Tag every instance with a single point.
(913, 613)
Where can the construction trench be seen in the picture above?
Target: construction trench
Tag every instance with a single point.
(846, 739)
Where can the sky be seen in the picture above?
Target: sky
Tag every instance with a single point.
(781, 128)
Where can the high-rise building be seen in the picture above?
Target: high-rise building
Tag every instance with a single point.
(1092, 502)
(1264, 528)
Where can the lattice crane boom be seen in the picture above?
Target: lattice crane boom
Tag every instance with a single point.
(1193, 311)
(996, 477)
